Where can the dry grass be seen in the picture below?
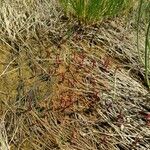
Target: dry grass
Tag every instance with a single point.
(68, 87)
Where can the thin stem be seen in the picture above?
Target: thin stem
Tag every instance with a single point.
(138, 22)
(147, 46)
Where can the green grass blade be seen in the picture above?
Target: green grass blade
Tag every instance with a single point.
(147, 52)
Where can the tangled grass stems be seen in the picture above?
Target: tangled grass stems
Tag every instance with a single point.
(3, 136)
(61, 95)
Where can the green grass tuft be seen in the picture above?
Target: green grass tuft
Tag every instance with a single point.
(95, 10)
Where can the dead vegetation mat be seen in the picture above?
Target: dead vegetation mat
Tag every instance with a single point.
(78, 88)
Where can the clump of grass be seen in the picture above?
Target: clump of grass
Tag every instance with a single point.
(95, 10)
